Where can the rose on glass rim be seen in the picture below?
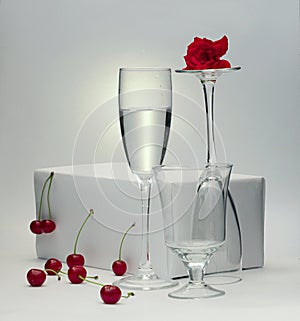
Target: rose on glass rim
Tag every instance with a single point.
(204, 53)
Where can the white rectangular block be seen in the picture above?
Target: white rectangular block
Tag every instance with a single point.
(111, 191)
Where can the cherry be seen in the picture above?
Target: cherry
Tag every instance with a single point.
(53, 266)
(47, 226)
(119, 266)
(77, 274)
(36, 277)
(110, 294)
(75, 259)
(35, 227)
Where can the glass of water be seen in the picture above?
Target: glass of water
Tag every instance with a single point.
(145, 110)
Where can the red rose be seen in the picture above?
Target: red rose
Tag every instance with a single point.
(203, 53)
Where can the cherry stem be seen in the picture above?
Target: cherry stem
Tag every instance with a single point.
(48, 194)
(65, 273)
(95, 277)
(76, 241)
(85, 279)
(42, 194)
(129, 294)
(123, 238)
(56, 273)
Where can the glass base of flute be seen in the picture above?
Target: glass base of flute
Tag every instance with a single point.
(145, 278)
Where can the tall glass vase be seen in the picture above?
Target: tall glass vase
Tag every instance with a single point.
(229, 258)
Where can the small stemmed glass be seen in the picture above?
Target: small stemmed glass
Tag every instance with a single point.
(194, 216)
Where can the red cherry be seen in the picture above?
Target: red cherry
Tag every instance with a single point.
(77, 274)
(36, 277)
(75, 260)
(119, 267)
(48, 226)
(110, 294)
(53, 266)
(36, 227)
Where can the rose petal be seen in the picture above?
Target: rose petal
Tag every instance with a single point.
(223, 64)
(207, 41)
(221, 46)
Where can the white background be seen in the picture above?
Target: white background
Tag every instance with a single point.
(59, 62)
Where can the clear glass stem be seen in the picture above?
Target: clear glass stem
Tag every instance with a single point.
(196, 273)
(209, 86)
(196, 270)
(145, 278)
(208, 93)
(145, 262)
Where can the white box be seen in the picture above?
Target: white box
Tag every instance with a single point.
(111, 191)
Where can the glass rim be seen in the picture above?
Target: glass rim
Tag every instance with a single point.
(144, 69)
(187, 168)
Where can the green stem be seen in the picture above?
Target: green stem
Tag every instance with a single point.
(65, 273)
(92, 277)
(76, 241)
(129, 294)
(123, 238)
(93, 282)
(48, 194)
(42, 194)
(56, 273)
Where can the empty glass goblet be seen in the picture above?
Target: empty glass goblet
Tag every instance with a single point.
(194, 216)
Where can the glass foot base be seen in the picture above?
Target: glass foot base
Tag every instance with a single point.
(222, 279)
(196, 291)
(144, 282)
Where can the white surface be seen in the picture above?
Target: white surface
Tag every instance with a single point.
(267, 294)
(111, 190)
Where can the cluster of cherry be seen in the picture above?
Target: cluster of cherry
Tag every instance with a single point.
(40, 226)
(76, 273)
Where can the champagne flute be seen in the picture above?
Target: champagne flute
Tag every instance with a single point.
(145, 109)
